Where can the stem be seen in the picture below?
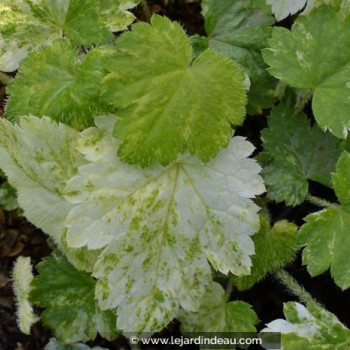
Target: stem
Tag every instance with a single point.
(295, 288)
(146, 11)
(321, 202)
(229, 289)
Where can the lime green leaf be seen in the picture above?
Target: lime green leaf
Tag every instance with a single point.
(239, 29)
(22, 279)
(311, 328)
(274, 248)
(166, 101)
(216, 314)
(68, 299)
(294, 57)
(54, 82)
(283, 8)
(295, 152)
(160, 225)
(326, 233)
(26, 25)
(53, 344)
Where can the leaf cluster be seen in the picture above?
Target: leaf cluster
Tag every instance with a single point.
(118, 140)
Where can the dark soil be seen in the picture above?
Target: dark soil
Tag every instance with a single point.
(18, 237)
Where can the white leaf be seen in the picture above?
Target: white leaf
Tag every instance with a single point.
(38, 156)
(283, 8)
(160, 225)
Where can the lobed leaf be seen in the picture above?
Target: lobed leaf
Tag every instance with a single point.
(38, 157)
(56, 83)
(311, 328)
(274, 248)
(239, 29)
(294, 57)
(167, 101)
(27, 25)
(160, 225)
(70, 309)
(217, 315)
(325, 234)
(294, 152)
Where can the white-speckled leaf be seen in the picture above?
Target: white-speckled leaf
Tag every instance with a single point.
(26, 25)
(294, 57)
(216, 314)
(311, 328)
(38, 156)
(160, 225)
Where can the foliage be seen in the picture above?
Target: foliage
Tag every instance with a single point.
(294, 152)
(218, 315)
(120, 147)
(27, 25)
(326, 233)
(310, 327)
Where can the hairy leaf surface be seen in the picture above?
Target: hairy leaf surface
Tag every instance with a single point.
(294, 57)
(26, 25)
(38, 157)
(239, 29)
(56, 83)
(167, 102)
(274, 248)
(295, 152)
(216, 314)
(22, 277)
(161, 225)
(311, 328)
(69, 301)
(326, 233)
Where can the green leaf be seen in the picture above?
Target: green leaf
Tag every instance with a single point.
(56, 83)
(8, 197)
(239, 29)
(326, 233)
(68, 299)
(274, 248)
(26, 25)
(284, 8)
(216, 314)
(160, 225)
(311, 328)
(294, 152)
(167, 102)
(294, 57)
